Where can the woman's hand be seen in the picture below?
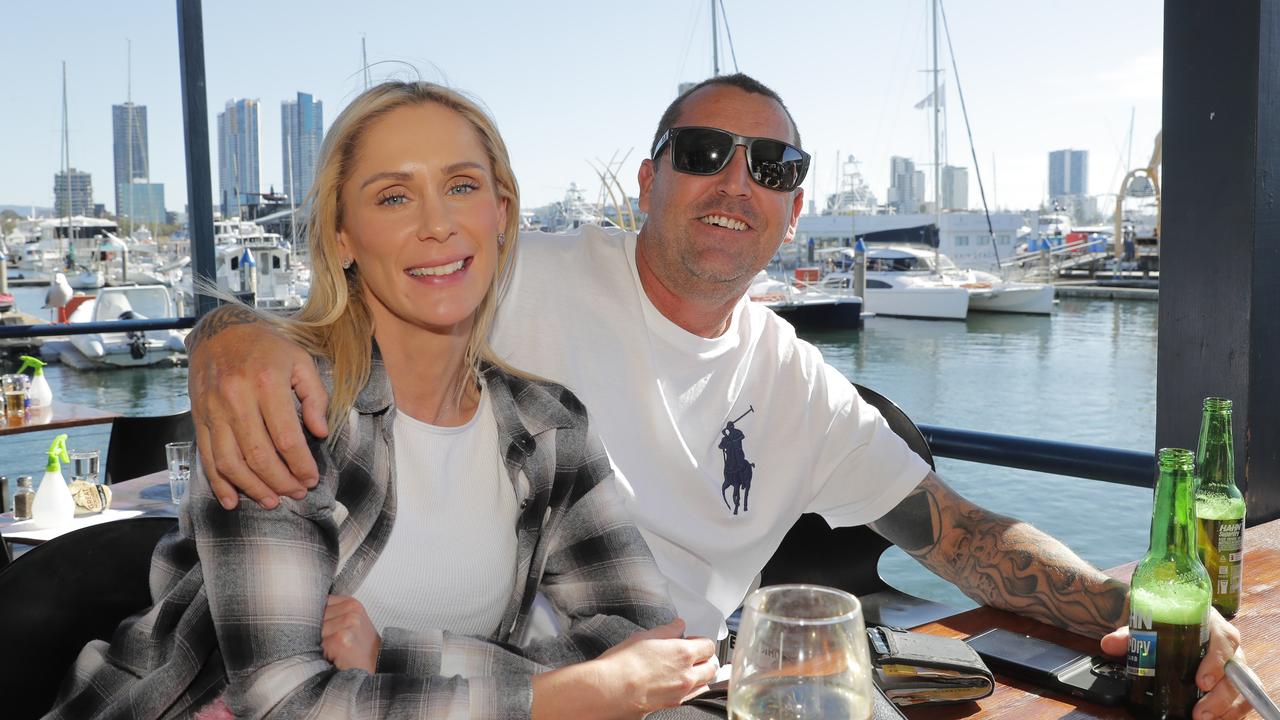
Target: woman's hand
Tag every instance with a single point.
(350, 640)
(648, 671)
(657, 669)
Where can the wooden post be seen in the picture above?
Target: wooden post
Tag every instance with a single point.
(1220, 252)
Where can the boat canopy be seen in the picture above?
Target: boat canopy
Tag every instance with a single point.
(920, 234)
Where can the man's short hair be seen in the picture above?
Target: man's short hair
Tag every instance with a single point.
(743, 82)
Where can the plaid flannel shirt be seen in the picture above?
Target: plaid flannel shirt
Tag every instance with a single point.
(240, 596)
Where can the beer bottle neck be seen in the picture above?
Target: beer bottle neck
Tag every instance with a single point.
(1215, 458)
(1173, 521)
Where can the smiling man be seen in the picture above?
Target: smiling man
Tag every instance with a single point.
(723, 425)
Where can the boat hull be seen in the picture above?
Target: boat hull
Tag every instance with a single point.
(926, 303)
(73, 355)
(844, 314)
(1010, 298)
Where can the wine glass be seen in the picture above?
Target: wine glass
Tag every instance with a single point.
(801, 653)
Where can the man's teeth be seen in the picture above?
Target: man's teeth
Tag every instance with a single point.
(438, 270)
(724, 222)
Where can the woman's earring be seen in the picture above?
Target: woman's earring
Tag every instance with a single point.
(502, 238)
(346, 263)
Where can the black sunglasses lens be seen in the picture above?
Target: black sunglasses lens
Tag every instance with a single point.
(701, 151)
(776, 165)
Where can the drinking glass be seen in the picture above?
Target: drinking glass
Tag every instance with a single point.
(801, 653)
(84, 466)
(179, 457)
(14, 388)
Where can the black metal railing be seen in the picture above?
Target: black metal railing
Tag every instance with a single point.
(106, 326)
(1124, 467)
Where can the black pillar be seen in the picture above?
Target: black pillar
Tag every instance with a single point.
(195, 118)
(1220, 244)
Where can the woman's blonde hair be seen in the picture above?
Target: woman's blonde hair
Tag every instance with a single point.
(335, 322)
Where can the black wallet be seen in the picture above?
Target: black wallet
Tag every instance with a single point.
(715, 703)
(914, 668)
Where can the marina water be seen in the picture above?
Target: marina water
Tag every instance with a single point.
(1084, 375)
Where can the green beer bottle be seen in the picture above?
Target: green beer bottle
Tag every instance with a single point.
(1169, 600)
(1219, 507)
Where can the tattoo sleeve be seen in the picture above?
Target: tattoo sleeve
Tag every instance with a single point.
(1003, 562)
(218, 320)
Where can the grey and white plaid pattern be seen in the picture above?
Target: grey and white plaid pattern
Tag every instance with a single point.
(240, 596)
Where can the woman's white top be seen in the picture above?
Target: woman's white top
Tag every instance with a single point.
(450, 563)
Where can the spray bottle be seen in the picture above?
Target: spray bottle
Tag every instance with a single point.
(54, 504)
(41, 395)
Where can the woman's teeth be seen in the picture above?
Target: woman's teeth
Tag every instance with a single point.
(449, 269)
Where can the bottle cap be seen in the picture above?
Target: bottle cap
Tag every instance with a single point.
(30, 362)
(24, 481)
(57, 451)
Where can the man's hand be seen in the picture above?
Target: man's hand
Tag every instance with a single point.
(1221, 699)
(350, 640)
(243, 375)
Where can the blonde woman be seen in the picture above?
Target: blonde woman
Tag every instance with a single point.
(453, 491)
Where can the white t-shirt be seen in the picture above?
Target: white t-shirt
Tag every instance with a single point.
(450, 562)
(661, 400)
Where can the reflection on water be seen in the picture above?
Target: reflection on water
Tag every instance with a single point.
(1086, 375)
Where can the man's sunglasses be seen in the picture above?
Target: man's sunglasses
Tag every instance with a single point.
(706, 151)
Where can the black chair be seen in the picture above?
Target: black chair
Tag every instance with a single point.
(848, 557)
(60, 595)
(137, 444)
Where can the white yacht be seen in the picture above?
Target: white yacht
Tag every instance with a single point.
(901, 282)
(990, 293)
(903, 266)
(250, 260)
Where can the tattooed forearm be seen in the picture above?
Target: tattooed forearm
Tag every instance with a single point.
(1003, 562)
(218, 320)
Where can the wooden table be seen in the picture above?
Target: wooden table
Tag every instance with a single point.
(59, 415)
(144, 496)
(1258, 621)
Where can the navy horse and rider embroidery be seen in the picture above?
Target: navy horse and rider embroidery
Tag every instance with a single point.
(737, 469)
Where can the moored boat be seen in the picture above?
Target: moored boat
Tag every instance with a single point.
(808, 306)
(133, 348)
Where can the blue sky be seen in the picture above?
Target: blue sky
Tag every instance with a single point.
(573, 82)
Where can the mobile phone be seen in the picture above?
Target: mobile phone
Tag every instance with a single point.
(1052, 666)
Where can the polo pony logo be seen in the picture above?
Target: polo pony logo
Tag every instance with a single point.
(737, 469)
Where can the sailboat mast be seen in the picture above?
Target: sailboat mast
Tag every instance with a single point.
(715, 41)
(128, 131)
(66, 162)
(937, 117)
(364, 62)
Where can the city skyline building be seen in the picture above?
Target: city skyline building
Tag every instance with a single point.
(73, 193)
(301, 130)
(1068, 173)
(955, 188)
(130, 152)
(147, 202)
(906, 185)
(239, 176)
